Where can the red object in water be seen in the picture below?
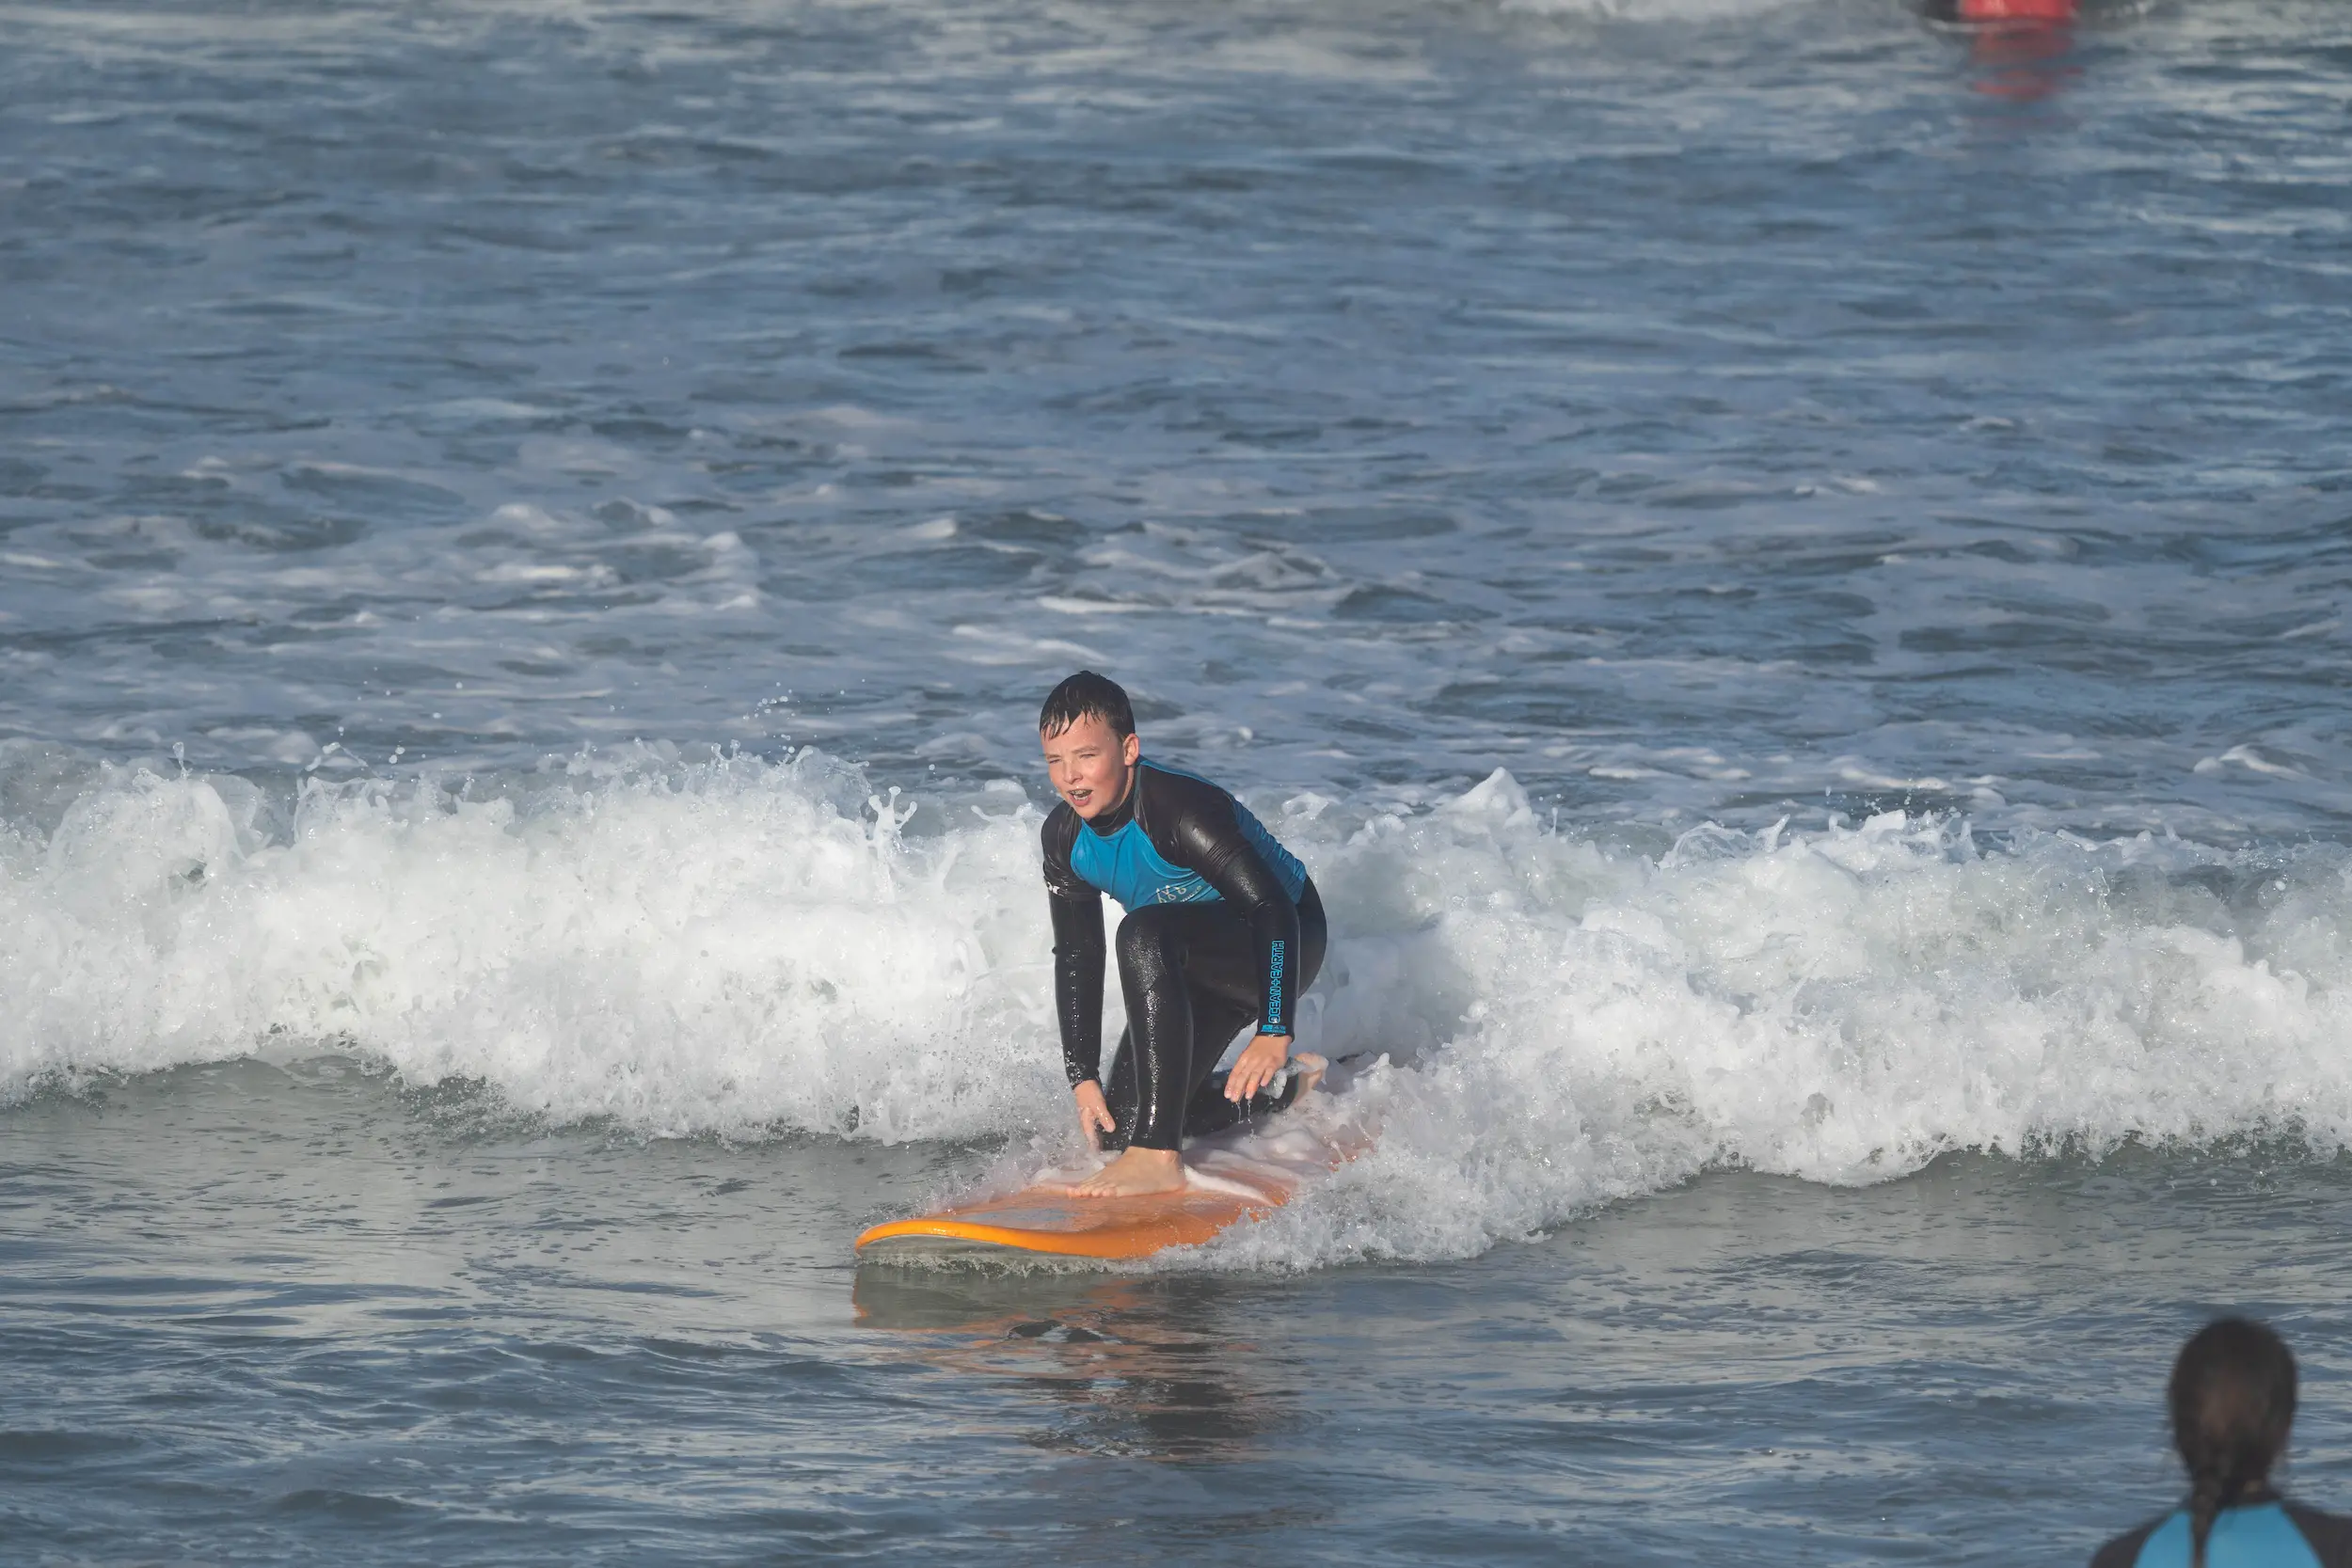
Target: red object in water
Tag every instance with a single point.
(2019, 10)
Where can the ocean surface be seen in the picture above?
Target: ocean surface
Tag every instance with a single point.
(1786, 568)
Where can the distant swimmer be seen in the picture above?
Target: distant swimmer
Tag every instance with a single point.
(1224, 927)
(2233, 1399)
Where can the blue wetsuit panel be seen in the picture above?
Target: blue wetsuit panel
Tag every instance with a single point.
(1126, 865)
(2261, 1536)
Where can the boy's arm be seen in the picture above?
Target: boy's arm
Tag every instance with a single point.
(1078, 950)
(1078, 955)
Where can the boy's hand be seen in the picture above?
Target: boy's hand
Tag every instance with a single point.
(1255, 1068)
(1094, 1113)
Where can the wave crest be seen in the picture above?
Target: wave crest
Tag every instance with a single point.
(743, 946)
(1841, 1006)
(724, 946)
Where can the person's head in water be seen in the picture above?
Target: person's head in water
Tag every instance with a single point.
(1089, 730)
(2232, 1401)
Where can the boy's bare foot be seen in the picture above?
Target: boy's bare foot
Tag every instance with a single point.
(1135, 1172)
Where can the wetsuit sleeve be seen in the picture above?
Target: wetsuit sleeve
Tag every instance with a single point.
(2331, 1534)
(2123, 1551)
(1078, 951)
(1207, 836)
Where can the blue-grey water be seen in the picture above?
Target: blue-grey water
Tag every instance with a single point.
(1785, 567)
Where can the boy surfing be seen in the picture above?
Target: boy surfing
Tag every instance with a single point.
(1223, 928)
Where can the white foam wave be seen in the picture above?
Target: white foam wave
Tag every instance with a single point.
(743, 946)
(1841, 1006)
(728, 946)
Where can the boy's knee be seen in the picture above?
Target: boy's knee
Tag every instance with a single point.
(1144, 937)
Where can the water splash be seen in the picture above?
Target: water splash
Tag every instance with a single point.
(743, 946)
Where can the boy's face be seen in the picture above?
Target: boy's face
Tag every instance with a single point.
(1089, 763)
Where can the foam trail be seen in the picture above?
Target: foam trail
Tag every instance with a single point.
(742, 946)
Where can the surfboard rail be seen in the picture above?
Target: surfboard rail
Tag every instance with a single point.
(1118, 1237)
(1227, 1186)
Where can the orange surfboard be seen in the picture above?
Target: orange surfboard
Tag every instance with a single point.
(1229, 1179)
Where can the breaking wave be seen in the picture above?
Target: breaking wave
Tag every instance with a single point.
(1542, 1020)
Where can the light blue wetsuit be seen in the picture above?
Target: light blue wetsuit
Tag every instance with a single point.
(2269, 1533)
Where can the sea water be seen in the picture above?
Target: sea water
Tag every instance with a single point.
(1784, 568)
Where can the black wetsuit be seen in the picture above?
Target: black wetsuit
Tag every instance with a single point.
(2263, 1532)
(1223, 927)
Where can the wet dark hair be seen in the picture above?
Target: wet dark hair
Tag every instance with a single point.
(2233, 1399)
(1086, 695)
